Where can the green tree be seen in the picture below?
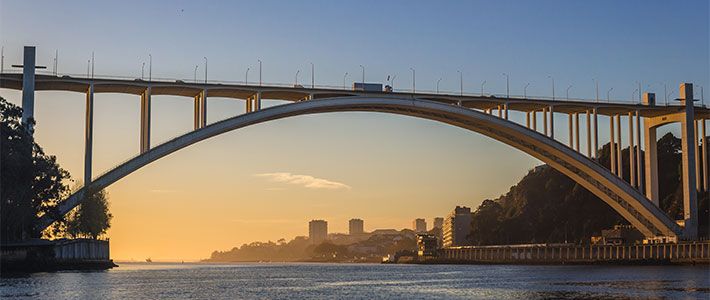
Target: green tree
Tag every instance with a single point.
(31, 181)
(91, 218)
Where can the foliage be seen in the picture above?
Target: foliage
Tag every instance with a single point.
(91, 218)
(547, 206)
(32, 182)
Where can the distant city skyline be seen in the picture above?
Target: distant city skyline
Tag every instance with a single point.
(266, 182)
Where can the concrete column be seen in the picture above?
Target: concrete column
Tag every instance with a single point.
(639, 167)
(571, 130)
(612, 146)
(690, 201)
(595, 146)
(698, 169)
(203, 109)
(527, 120)
(505, 111)
(88, 134)
(650, 154)
(534, 120)
(706, 180)
(576, 131)
(544, 121)
(247, 102)
(257, 100)
(145, 120)
(619, 145)
(28, 87)
(632, 151)
(500, 111)
(589, 135)
(552, 122)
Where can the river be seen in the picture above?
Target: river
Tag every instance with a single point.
(363, 281)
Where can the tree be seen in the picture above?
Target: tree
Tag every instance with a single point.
(92, 218)
(32, 182)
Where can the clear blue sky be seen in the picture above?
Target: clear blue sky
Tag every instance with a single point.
(397, 168)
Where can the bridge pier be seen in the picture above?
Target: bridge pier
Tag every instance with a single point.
(534, 120)
(200, 110)
(571, 130)
(687, 128)
(576, 131)
(619, 145)
(706, 180)
(596, 133)
(698, 176)
(552, 122)
(544, 121)
(88, 134)
(632, 152)
(651, 153)
(639, 167)
(589, 135)
(612, 146)
(28, 87)
(145, 120)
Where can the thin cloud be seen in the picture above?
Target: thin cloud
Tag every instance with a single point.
(306, 181)
(163, 191)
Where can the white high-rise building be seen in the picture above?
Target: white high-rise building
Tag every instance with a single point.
(457, 226)
(317, 231)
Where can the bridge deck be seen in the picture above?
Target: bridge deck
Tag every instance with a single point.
(242, 91)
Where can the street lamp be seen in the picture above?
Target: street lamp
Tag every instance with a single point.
(259, 71)
(246, 77)
(525, 90)
(88, 67)
(142, 70)
(633, 95)
(437, 85)
(205, 57)
(150, 67)
(414, 80)
(313, 80)
(296, 85)
(460, 82)
(392, 81)
(567, 92)
(345, 85)
(553, 87)
(507, 85)
(363, 73)
(596, 86)
(607, 95)
(195, 78)
(482, 85)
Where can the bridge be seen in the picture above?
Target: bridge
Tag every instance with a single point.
(636, 200)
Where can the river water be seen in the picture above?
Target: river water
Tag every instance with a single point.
(297, 281)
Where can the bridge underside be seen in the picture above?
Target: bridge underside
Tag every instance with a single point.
(621, 196)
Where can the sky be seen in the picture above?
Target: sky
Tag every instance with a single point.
(265, 182)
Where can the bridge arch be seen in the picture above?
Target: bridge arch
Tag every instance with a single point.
(618, 194)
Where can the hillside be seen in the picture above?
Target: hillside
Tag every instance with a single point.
(547, 206)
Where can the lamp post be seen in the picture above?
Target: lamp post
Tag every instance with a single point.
(313, 80)
(553, 87)
(596, 86)
(296, 84)
(246, 77)
(607, 95)
(507, 86)
(345, 85)
(92, 64)
(259, 71)
(482, 85)
(414, 80)
(437, 85)
(205, 57)
(195, 78)
(363, 73)
(633, 95)
(88, 67)
(525, 90)
(150, 67)
(142, 70)
(460, 83)
(567, 92)
(392, 81)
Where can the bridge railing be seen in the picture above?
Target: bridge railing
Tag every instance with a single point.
(500, 96)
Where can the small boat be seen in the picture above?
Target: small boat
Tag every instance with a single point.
(148, 260)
